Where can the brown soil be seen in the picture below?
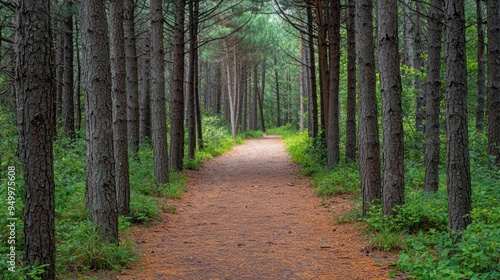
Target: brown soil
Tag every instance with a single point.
(248, 216)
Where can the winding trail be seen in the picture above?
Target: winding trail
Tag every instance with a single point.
(248, 216)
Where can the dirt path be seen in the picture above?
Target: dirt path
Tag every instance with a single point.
(248, 216)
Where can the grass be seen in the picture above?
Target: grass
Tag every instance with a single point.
(419, 229)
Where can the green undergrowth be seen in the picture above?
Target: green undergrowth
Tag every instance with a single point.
(217, 140)
(79, 249)
(418, 231)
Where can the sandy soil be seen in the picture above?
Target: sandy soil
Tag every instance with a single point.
(247, 215)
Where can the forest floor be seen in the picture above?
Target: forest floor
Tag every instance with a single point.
(249, 215)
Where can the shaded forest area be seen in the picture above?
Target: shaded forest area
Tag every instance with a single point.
(104, 103)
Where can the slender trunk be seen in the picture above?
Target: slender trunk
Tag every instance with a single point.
(190, 106)
(419, 65)
(480, 67)
(457, 141)
(261, 98)
(494, 80)
(433, 97)
(177, 95)
(324, 86)
(333, 132)
(369, 153)
(350, 146)
(158, 112)
(392, 110)
(132, 77)
(255, 96)
(78, 91)
(68, 108)
(119, 96)
(144, 94)
(276, 77)
(314, 97)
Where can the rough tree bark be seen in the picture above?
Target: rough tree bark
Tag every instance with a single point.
(177, 95)
(145, 75)
(392, 110)
(369, 158)
(119, 97)
(433, 97)
(34, 89)
(101, 190)
(68, 108)
(457, 141)
(350, 145)
(493, 23)
(333, 132)
(158, 111)
(313, 133)
(480, 67)
(132, 77)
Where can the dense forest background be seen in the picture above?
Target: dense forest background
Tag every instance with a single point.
(104, 103)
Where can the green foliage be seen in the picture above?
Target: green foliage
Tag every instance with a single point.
(310, 155)
(80, 248)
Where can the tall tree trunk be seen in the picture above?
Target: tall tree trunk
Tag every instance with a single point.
(350, 146)
(68, 108)
(158, 111)
(433, 97)
(302, 84)
(324, 86)
(419, 64)
(119, 96)
(218, 89)
(369, 158)
(313, 133)
(333, 132)
(132, 77)
(59, 59)
(392, 110)
(197, 74)
(494, 80)
(177, 95)
(34, 83)
(480, 67)
(144, 94)
(101, 187)
(457, 141)
(190, 106)
(78, 81)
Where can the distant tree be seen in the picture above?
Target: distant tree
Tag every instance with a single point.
(493, 23)
(350, 145)
(101, 187)
(132, 76)
(392, 110)
(119, 97)
(34, 89)
(480, 66)
(158, 111)
(457, 141)
(433, 97)
(313, 132)
(369, 150)
(145, 76)
(68, 108)
(332, 129)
